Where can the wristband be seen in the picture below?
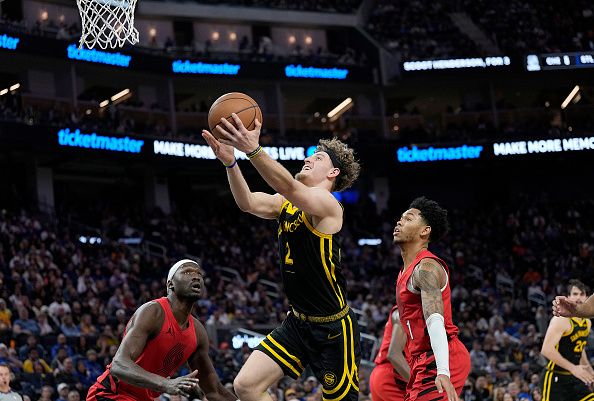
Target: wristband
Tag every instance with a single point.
(231, 165)
(255, 153)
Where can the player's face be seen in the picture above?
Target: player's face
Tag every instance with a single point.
(315, 169)
(577, 295)
(409, 227)
(189, 281)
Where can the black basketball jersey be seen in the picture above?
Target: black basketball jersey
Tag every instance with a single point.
(572, 343)
(310, 265)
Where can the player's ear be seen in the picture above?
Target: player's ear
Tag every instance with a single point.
(426, 232)
(334, 172)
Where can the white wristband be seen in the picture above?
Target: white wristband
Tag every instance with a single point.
(439, 343)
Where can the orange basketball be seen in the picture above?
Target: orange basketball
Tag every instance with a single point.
(241, 104)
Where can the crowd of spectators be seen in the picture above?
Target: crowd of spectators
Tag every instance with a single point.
(419, 29)
(535, 26)
(64, 303)
(260, 49)
(329, 6)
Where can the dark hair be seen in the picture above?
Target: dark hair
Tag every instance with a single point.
(434, 215)
(577, 284)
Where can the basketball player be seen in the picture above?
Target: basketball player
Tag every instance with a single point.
(320, 330)
(568, 373)
(160, 337)
(391, 373)
(439, 362)
(563, 306)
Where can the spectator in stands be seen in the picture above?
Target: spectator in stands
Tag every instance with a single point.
(9, 357)
(47, 393)
(67, 373)
(61, 343)
(5, 316)
(59, 307)
(63, 390)
(31, 344)
(45, 327)
(25, 325)
(68, 328)
(32, 360)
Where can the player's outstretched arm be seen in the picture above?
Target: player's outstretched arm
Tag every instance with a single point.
(396, 348)
(144, 325)
(315, 201)
(429, 277)
(259, 204)
(200, 361)
(562, 306)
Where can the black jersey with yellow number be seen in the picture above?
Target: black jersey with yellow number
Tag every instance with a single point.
(310, 265)
(572, 343)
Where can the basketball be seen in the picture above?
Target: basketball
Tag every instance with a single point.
(241, 104)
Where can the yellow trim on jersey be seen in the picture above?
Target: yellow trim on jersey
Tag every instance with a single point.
(313, 230)
(348, 372)
(285, 203)
(546, 386)
(566, 333)
(334, 273)
(344, 369)
(551, 364)
(589, 397)
(328, 274)
(280, 358)
(293, 357)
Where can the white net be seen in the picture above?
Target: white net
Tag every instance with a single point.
(107, 23)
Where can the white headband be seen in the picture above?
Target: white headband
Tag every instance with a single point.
(177, 265)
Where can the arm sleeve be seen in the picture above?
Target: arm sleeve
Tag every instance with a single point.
(439, 343)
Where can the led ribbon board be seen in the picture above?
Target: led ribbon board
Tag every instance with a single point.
(559, 61)
(93, 141)
(188, 67)
(8, 42)
(298, 71)
(98, 56)
(196, 151)
(543, 146)
(458, 63)
(433, 154)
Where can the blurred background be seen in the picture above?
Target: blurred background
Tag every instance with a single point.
(105, 181)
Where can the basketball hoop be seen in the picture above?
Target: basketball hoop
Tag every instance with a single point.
(107, 23)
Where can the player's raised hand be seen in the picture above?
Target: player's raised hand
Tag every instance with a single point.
(564, 307)
(443, 383)
(184, 385)
(223, 152)
(240, 138)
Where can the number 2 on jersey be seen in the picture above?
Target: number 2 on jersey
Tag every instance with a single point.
(288, 260)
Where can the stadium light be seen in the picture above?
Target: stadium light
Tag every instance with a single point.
(3, 92)
(571, 96)
(104, 103)
(339, 110)
(15, 87)
(120, 94)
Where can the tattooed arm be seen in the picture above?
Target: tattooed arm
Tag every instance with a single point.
(429, 278)
(144, 325)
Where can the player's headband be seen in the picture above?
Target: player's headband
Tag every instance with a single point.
(177, 265)
(335, 162)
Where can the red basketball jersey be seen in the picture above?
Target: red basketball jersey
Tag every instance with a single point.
(411, 308)
(163, 355)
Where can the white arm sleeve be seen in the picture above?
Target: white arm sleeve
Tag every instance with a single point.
(439, 343)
